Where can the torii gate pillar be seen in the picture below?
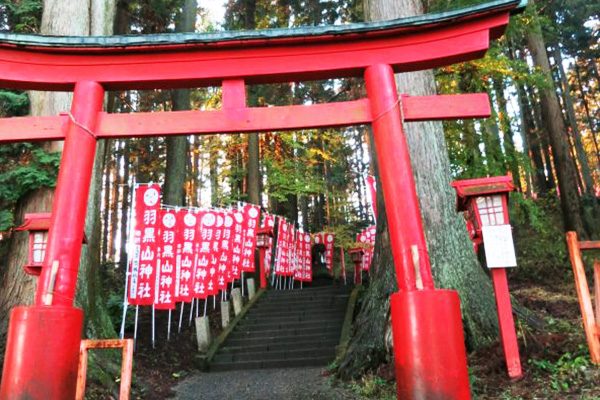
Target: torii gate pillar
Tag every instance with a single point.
(42, 347)
(430, 363)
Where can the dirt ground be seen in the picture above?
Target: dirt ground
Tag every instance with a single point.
(555, 360)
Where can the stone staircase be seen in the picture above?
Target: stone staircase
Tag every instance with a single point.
(286, 328)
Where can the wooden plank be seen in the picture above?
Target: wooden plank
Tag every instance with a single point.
(508, 334)
(597, 292)
(30, 129)
(299, 59)
(439, 107)
(126, 364)
(589, 244)
(234, 119)
(583, 294)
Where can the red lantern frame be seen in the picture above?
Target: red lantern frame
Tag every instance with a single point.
(470, 192)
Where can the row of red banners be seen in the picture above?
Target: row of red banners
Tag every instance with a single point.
(367, 236)
(178, 255)
(181, 254)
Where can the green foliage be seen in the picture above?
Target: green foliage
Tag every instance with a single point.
(23, 168)
(13, 103)
(374, 387)
(565, 374)
(539, 239)
(21, 16)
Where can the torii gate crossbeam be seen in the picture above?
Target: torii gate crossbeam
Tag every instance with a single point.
(43, 339)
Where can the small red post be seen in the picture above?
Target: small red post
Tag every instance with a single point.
(506, 323)
(261, 267)
(357, 274)
(43, 341)
(429, 350)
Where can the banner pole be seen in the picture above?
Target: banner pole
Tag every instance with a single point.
(205, 303)
(242, 283)
(180, 316)
(127, 274)
(191, 313)
(153, 327)
(135, 326)
(169, 327)
(214, 302)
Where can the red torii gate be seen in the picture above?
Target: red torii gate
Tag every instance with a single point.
(43, 341)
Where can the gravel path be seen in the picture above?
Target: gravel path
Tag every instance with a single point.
(265, 384)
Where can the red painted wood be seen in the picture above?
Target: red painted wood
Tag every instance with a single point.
(397, 180)
(232, 119)
(506, 323)
(70, 197)
(42, 353)
(429, 346)
(443, 107)
(589, 244)
(291, 60)
(261, 264)
(234, 94)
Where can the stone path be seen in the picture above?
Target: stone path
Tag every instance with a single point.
(262, 384)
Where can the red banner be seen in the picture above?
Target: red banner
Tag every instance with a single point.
(202, 260)
(238, 243)
(328, 240)
(303, 270)
(250, 226)
(227, 245)
(282, 264)
(185, 234)
(143, 261)
(268, 222)
(367, 236)
(208, 232)
(165, 277)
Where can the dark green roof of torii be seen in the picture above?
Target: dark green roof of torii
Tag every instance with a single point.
(265, 34)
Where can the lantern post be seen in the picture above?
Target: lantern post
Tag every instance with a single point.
(263, 235)
(484, 202)
(356, 254)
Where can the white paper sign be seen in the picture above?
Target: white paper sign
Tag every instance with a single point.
(499, 246)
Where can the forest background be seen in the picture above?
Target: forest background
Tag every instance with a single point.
(543, 81)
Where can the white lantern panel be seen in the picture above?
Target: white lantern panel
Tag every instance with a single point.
(490, 209)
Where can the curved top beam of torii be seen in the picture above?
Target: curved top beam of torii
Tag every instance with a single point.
(32, 62)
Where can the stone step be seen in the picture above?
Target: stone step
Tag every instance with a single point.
(291, 363)
(290, 304)
(244, 340)
(259, 326)
(291, 316)
(286, 354)
(299, 329)
(316, 341)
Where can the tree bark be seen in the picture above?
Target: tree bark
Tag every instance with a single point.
(555, 126)
(454, 264)
(61, 17)
(590, 121)
(177, 146)
(510, 152)
(584, 166)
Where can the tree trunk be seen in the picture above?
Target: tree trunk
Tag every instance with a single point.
(586, 173)
(555, 126)
(177, 146)
(589, 119)
(454, 264)
(510, 152)
(61, 17)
